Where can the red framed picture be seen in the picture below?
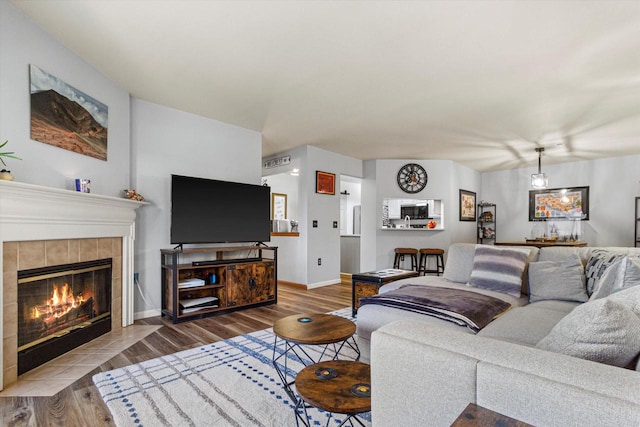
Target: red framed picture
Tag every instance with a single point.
(325, 182)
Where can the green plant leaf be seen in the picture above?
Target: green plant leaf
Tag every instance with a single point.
(7, 153)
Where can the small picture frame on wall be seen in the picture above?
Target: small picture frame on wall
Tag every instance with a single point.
(325, 183)
(467, 205)
(278, 206)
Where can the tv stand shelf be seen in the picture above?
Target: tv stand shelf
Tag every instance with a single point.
(233, 278)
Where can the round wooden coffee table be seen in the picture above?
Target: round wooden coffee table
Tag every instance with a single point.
(335, 386)
(310, 329)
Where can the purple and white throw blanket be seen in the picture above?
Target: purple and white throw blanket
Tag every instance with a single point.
(465, 308)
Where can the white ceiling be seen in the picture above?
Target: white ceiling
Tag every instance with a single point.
(479, 82)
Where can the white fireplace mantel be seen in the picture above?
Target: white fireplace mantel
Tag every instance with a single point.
(33, 212)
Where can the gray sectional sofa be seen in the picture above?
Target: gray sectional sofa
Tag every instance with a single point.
(534, 363)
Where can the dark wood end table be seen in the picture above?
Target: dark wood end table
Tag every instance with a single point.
(368, 284)
(477, 416)
(336, 386)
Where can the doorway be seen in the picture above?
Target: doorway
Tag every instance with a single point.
(350, 226)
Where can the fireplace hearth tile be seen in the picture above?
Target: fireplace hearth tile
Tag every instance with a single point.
(105, 248)
(57, 252)
(10, 257)
(53, 376)
(31, 254)
(88, 249)
(74, 250)
(10, 325)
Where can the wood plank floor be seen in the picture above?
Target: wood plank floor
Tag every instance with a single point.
(80, 404)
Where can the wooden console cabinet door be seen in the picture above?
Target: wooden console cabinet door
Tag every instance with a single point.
(263, 287)
(250, 283)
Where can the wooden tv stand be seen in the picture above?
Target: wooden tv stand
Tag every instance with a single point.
(201, 282)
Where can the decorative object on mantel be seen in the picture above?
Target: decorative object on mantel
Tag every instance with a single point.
(539, 180)
(132, 195)
(6, 174)
(83, 185)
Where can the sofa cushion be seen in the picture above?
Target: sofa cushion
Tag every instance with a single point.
(528, 325)
(563, 281)
(597, 264)
(602, 331)
(624, 273)
(459, 262)
(499, 269)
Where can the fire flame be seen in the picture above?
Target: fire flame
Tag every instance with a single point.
(61, 302)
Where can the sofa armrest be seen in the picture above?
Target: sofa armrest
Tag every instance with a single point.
(432, 374)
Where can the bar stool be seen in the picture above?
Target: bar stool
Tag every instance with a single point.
(425, 253)
(401, 252)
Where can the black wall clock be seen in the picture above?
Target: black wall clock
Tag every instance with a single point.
(412, 178)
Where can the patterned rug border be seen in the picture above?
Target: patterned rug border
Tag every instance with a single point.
(210, 385)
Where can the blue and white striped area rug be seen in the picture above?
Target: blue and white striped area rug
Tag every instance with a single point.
(227, 383)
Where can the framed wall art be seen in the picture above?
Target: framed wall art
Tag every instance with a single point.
(570, 203)
(325, 183)
(278, 206)
(66, 117)
(467, 205)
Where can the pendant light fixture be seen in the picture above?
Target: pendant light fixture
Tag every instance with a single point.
(539, 180)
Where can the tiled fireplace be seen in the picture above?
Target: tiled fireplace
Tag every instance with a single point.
(45, 230)
(61, 307)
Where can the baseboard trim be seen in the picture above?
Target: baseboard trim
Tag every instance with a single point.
(292, 284)
(321, 284)
(345, 278)
(147, 313)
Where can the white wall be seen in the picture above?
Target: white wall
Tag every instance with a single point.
(285, 183)
(167, 141)
(289, 247)
(613, 184)
(446, 178)
(22, 43)
(352, 200)
(324, 241)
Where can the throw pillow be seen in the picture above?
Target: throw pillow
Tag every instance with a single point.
(602, 331)
(624, 273)
(598, 262)
(629, 297)
(499, 269)
(557, 280)
(459, 262)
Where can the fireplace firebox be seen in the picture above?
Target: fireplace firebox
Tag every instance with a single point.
(60, 308)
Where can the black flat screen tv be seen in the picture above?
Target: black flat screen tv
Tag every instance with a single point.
(212, 211)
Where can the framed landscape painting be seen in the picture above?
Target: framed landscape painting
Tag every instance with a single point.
(559, 204)
(467, 205)
(66, 117)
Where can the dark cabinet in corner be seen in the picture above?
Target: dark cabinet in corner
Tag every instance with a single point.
(202, 282)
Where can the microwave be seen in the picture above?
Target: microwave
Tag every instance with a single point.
(414, 212)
